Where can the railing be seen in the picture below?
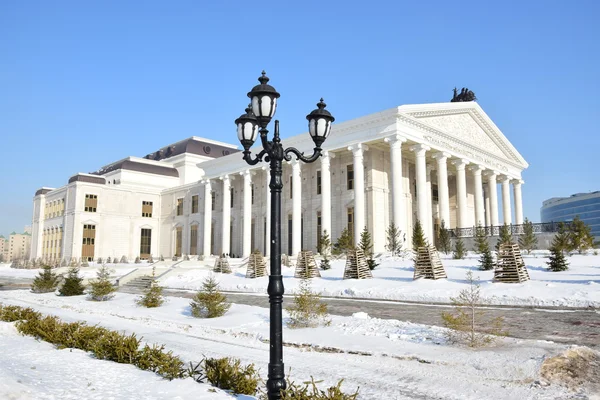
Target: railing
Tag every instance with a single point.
(544, 227)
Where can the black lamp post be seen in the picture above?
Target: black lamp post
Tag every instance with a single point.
(258, 115)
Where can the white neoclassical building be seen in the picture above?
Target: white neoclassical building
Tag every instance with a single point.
(431, 162)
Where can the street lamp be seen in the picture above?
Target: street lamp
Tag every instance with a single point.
(255, 120)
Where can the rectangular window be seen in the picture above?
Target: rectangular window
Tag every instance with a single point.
(319, 233)
(252, 237)
(350, 177)
(91, 202)
(89, 242)
(178, 240)
(291, 187)
(194, 240)
(213, 200)
(435, 194)
(289, 234)
(318, 182)
(351, 222)
(195, 204)
(145, 243)
(147, 209)
(231, 197)
(180, 206)
(252, 192)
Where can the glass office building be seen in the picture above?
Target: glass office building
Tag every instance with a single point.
(585, 205)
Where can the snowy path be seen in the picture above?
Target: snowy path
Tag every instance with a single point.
(443, 372)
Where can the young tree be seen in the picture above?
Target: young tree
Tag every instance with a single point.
(528, 240)
(366, 245)
(418, 239)
(557, 262)
(468, 323)
(459, 249)
(344, 242)
(1, 257)
(46, 281)
(443, 238)
(504, 237)
(209, 302)
(486, 261)
(73, 284)
(481, 240)
(393, 241)
(580, 234)
(101, 288)
(324, 249)
(152, 296)
(308, 310)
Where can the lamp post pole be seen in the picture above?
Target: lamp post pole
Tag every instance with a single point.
(257, 117)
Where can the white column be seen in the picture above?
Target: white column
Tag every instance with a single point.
(479, 205)
(443, 196)
(493, 192)
(518, 201)
(429, 225)
(506, 200)
(461, 192)
(296, 209)
(247, 229)
(207, 218)
(359, 190)
(421, 171)
(486, 195)
(267, 212)
(225, 239)
(326, 192)
(398, 204)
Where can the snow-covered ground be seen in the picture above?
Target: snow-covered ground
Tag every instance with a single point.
(388, 359)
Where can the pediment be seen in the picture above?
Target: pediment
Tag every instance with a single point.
(469, 124)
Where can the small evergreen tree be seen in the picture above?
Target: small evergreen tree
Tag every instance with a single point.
(459, 249)
(580, 235)
(137, 260)
(46, 281)
(557, 262)
(1, 257)
(73, 284)
(504, 236)
(101, 288)
(307, 311)
(393, 242)
(562, 239)
(366, 245)
(324, 249)
(528, 240)
(481, 240)
(209, 302)
(443, 238)
(418, 239)
(152, 296)
(486, 261)
(344, 242)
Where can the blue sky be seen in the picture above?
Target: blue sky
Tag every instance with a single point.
(83, 84)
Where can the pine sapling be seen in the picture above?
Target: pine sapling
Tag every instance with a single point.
(307, 310)
(324, 249)
(46, 282)
(152, 296)
(581, 235)
(528, 240)
(73, 284)
(393, 241)
(344, 242)
(418, 239)
(459, 249)
(486, 261)
(366, 245)
(101, 288)
(504, 236)
(558, 261)
(481, 240)
(209, 302)
(443, 239)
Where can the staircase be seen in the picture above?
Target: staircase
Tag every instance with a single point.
(142, 282)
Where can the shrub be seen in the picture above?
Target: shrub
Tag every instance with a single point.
(152, 296)
(114, 346)
(46, 281)
(124, 260)
(308, 310)
(137, 260)
(16, 313)
(229, 374)
(209, 302)
(310, 391)
(72, 286)
(101, 288)
(154, 358)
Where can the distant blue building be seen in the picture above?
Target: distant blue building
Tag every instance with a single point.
(585, 205)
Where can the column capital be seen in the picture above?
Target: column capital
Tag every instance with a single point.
(476, 169)
(419, 148)
(460, 163)
(226, 179)
(247, 172)
(491, 173)
(395, 139)
(327, 154)
(504, 178)
(441, 156)
(517, 182)
(205, 182)
(358, 148)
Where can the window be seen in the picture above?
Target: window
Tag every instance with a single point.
(318, 182)
(178, 239)
(180, 206)
(195, 204)
(91, 202)
(194, 240)
(289, 234)
(319, 233)
(252, 192)
(291, 187)
(145, 244)
(351, 222)
(435, 194)
(147, 209)
(89, 241)
(350, 177)
(213, 200)
(231, 197)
